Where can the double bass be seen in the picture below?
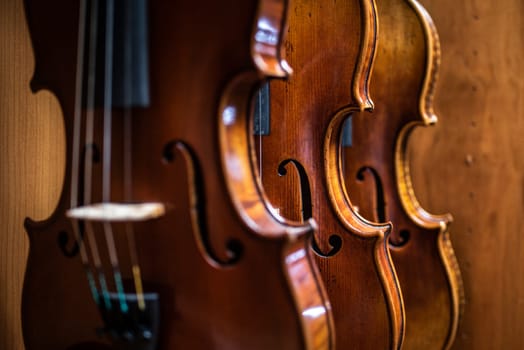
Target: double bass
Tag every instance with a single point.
(161, 238)
(377, 173)
(331, 47)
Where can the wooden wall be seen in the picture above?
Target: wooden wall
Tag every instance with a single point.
(31, 162)
(471, 164)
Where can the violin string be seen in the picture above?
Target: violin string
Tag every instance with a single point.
(137, 278)
(78, 105)
(76, 147)
(128, 91)
(91, 80)
(98, 263)
(259, 97)
(88, 160)
(106, 180)
(85, 262)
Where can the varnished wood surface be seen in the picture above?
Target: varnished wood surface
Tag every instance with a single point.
(31, 162)
(471, 163)
(331, 47)
(227, 273)
(378, 177)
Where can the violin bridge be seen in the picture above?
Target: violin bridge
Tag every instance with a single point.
(120, 212)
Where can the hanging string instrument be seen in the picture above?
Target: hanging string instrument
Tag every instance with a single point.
(160, 239)
(377, 173)
(330, 46)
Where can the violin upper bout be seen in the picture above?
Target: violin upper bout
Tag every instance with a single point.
(433, 54)
(368, 46)
(268, 36)
(428, 117)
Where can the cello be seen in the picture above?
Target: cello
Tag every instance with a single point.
(331, 47)
(160, 238)
(377, 173)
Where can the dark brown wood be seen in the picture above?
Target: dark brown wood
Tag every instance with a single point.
(331, 47)
(229, 275)
(378, 179)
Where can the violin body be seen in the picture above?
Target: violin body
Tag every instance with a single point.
(218, 270)
(331, 47)
(378, 176)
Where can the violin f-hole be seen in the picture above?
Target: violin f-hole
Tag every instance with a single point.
(380, 205)
(402, 240)
(307, 211)
(380, 202)
(234, 248)
(305, 188)
(63, 241)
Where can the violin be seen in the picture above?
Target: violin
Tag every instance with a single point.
(377, 173)
(330, 46)
(161, 238)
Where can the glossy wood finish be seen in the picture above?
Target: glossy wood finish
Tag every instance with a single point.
(330, 47)
(229, 275)
(472, 162)
(378, 176)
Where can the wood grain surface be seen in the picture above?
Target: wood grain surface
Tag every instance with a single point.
(31, 162)
(307, 113)
(378, 180)
(471, 163)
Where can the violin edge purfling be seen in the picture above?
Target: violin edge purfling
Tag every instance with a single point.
(377, 164)
(270, 62)
(335, 183)
(402, 169)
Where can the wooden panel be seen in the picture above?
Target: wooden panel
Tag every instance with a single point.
(31, 162)
(472, 163)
